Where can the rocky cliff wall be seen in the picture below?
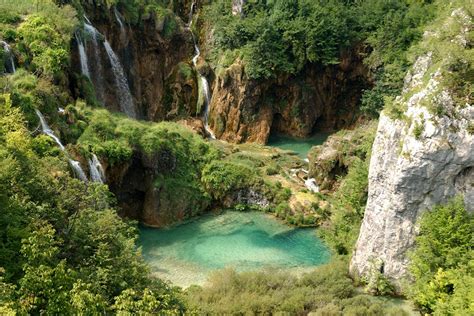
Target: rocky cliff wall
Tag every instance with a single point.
(420, 159)
(155, 52)
(317, 99)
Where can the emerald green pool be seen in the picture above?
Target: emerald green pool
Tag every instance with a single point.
(299, 145)
(188, 253)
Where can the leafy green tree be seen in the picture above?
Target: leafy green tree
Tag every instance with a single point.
(442, 262)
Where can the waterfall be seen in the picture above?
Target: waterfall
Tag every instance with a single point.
(120, 22)
(9, 54)
(76, 166)
(207, 101)
(48, 131)
(73, 163)
(204, 83)
(83, 56)
(98, 82)
(191, 12)
(125, 98)
(312, 185)
(96, 170)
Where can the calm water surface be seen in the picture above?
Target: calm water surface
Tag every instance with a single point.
(299, 145)
(187, 254)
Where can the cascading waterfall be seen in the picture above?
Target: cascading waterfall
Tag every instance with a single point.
(124, 97)
(312, 185)
(120, 22)
(83, 56)
(98, 78)
(204, 83)
(48, 131)
(121, 82)
(76, 166)
(11, 67)
(97, 173)
(73, 163)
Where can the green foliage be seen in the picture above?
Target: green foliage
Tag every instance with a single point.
(44, 40)
(280, 36)
(222, 177)
(442, 262)
(376, 282)
(274, 292)
(63, 249)
(349, 200)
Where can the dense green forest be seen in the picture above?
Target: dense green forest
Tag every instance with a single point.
(64, 250)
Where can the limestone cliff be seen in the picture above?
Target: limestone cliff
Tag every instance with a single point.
(423, 154)
(319, 98)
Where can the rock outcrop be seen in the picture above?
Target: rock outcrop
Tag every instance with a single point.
(423, 158)
(332, 160)
(143, 197)
(317, 99)
(156, 56)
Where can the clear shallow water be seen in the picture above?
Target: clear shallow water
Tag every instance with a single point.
(187, 254)
(299, 145)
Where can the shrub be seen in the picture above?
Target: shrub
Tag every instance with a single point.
(274, 292)
(441, 262)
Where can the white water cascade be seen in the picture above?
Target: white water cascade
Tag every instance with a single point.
(83, 57)
(97, 173)
(204, 83)
(9, 54)
(97, 66)
(121, 82)
(124, 96)
(48, 131)
(311, 185)
(118, 17)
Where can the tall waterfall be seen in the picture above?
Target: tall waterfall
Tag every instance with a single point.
(97, 78)
(118, 17)
(204, 83)
(83, 56)
(97, 173)
(124, 96)
(11, 65)
(121, 82)
(73, 163)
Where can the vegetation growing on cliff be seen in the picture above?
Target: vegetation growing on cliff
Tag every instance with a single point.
(275, 37)
(442, 262)
(344, 172)
(64, 250)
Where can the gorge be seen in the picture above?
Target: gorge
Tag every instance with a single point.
(236, 157)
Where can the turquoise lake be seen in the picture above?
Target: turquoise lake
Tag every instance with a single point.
(299, 145)
(188, 253)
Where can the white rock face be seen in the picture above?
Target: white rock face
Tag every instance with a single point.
(416, 163)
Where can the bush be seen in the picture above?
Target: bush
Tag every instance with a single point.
(274, 292)
(441, 263)
(222, 177)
